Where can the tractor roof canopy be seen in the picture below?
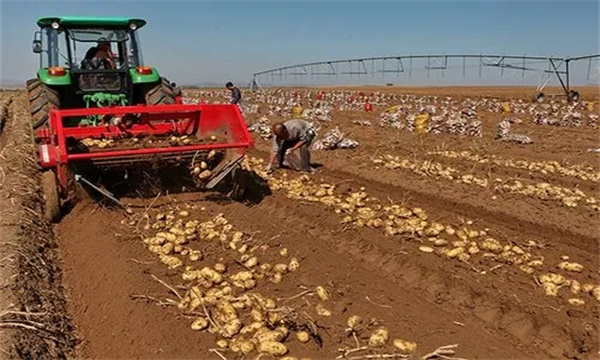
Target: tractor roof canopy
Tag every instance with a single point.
(90, 21)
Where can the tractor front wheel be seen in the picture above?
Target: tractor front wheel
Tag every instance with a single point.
(51, 197)
(42, 99)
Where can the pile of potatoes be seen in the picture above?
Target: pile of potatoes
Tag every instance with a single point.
(544, 167)
(568, 197)
(379, 337)
(458, 242)
(223, 295)
(202, 167)
(101, 143)
(552, 283)
(544, 191)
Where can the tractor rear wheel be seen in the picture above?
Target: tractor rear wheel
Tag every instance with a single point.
(161, 94)
(51, 198)
(42, 99)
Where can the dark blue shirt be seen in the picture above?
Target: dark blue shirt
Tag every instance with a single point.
(236, 95)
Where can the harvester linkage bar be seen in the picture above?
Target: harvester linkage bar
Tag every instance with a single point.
(80, 178)
(224, 172)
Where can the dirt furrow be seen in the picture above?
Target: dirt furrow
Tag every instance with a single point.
(521, 217)
(355, 282)
(34, 320)
(450, 285)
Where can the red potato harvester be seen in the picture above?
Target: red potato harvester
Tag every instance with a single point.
(97, 117)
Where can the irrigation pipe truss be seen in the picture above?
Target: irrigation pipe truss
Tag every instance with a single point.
(545, 65)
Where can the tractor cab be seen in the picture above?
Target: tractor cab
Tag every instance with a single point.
(95, 62)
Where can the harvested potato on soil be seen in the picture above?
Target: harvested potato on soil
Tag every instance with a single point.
(200, 324)
(322, 293)
(576, 302)
(570, 266)
(379, 337)
(272, 348)
(294, 265)
(353, 322)
(405, 347)
(302, 336)
(426, 249)
(322, 311)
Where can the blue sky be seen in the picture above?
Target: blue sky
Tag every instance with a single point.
(202, 41)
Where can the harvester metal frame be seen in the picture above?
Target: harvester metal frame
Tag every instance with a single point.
(53, 150)
(160, 121)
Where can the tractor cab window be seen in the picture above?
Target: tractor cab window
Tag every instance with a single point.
(97, 35)
(99, 48)
(54, 48)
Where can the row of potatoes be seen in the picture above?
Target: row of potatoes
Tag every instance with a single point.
(453, 242)
(245, 320)
(567, 197)
(580, 171)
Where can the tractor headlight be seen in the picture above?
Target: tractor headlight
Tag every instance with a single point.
(55, 25)
(132, 26)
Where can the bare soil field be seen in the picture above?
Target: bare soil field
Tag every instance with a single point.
(411, 245)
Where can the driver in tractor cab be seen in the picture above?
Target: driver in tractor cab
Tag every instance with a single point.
(99, 57)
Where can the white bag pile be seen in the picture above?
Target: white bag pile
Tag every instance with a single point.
(503, 133)
(592, 120)
(362, 122)
(410, 122)
(572, 119)
(392, 118)
(456, 125)
(319, 114)
(436, 124)
(334, 139)
(262, 127)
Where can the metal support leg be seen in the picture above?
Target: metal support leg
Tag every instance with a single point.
(565, 88)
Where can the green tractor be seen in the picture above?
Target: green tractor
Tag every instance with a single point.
(88, 62)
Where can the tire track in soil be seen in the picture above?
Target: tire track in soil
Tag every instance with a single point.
(446, 284)
(8, 226)
(101, 276)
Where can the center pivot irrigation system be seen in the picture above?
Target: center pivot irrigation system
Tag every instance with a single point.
(508, 65)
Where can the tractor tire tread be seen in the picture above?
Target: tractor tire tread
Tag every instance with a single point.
(51, 197)
(32, 84)
(161, 94)
(41, 103)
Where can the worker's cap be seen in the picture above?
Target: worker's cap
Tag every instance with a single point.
(229, 84)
